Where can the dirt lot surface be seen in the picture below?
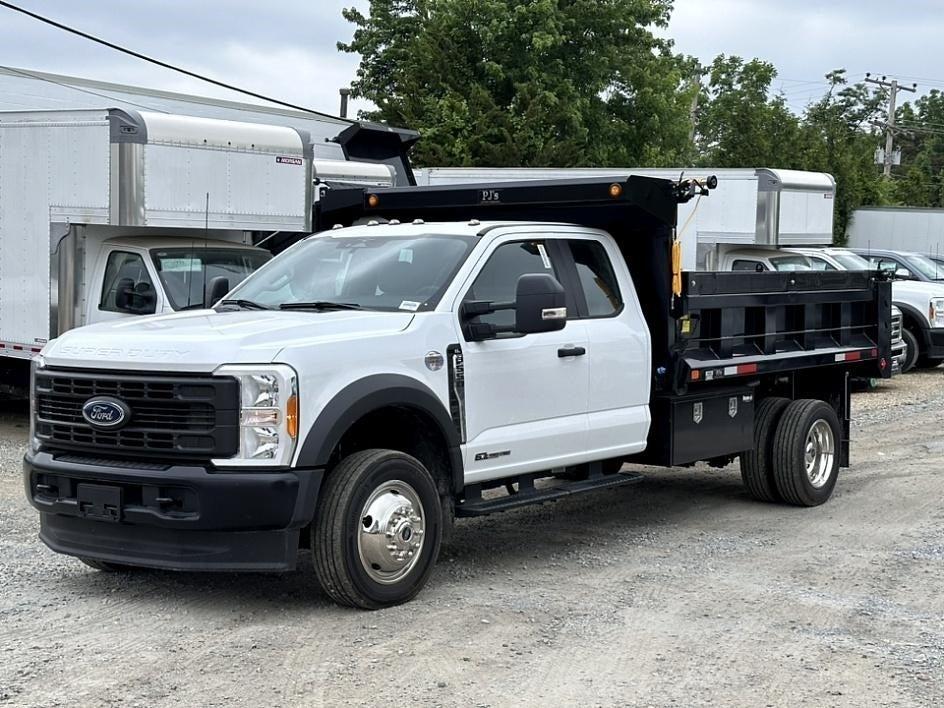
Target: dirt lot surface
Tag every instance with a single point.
(678, 590)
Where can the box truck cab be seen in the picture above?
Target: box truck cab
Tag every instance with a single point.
(373, 382)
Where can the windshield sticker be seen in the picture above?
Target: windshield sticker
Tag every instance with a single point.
(406, 255)
(410, 305)
(547, 261)
(178, 265)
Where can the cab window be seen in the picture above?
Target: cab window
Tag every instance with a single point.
(744, 264)
(127, 287)
(820, 264)
(498, 279)
(597, 279)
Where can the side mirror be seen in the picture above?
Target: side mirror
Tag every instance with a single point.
(540, 304)
(903, 273)
(219, 286)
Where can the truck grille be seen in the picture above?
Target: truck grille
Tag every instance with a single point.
(190, 417)
(896, 327)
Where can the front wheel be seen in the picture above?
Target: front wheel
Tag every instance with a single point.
(806, 452)
(377, 531)
(911, 351)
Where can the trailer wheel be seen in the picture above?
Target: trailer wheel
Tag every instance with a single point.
(377, 529)
(806, 452)
(911, 351)
(756, 471)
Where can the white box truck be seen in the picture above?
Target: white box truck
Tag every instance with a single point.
(754, 206)
(109, 213)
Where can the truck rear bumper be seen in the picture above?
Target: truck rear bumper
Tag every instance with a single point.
(173, 517)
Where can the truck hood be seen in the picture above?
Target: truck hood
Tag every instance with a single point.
(916, 288)
(204, 339)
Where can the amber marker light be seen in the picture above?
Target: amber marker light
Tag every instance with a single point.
(616, 190)
(373, 200)
(291, 417)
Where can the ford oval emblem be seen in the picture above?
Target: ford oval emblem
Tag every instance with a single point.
(105, 412)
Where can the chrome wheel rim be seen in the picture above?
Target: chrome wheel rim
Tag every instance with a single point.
(819, 452)
(391, 532)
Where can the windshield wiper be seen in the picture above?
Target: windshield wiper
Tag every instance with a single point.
(320, 305)
(245, 304)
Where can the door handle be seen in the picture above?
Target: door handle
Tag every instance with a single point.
(570, 351)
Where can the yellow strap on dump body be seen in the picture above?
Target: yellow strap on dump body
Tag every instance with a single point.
(677, 267)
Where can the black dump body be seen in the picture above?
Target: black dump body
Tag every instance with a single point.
(721, 327)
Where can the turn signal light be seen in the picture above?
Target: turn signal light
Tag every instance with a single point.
(373, 200)
(616, 190)
(291, 417)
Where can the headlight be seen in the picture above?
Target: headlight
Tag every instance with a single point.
(35, 365)
(268, 415)
(936, 312)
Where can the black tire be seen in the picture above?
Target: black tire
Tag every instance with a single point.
(792, 480)
(105, 566)
(912, 351)
(337, 528)
(756, 471)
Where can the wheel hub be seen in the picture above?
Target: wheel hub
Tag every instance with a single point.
(392, 529)
(819, 453)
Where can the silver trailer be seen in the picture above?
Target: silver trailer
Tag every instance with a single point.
(751, 207)
(898, 228)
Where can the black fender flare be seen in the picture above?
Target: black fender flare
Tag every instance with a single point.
(371, 393)
(909, 312)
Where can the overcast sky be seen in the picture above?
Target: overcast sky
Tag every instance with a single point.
(287, 48)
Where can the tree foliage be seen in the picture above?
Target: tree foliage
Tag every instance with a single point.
(589, 83)
(543, 82)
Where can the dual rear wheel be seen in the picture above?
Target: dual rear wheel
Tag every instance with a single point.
(796, 452)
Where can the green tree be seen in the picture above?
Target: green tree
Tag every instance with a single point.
(537, 83)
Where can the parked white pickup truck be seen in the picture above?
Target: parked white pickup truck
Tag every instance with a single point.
(370, 383)
(918, 308)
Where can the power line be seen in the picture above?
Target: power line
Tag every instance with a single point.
(158, 62)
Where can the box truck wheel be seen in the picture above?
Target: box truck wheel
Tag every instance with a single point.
(806, 452)
(756, 470)
(377, 529)
(911, 350)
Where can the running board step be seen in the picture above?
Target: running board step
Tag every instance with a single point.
(527, 493)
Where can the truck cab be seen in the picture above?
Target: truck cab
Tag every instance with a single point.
(759, 260)
(153, 275)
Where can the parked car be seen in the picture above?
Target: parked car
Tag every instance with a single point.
(904, 264)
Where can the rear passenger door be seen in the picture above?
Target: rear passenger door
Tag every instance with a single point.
(618, 351)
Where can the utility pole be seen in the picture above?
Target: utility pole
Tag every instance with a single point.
(693, 112)
(893, 89)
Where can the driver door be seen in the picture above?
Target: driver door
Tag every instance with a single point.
(526, 396)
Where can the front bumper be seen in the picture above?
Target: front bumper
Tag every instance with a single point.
(935, 343)
(898, 357)
(170, 516)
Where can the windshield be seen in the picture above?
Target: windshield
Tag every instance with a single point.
(926, 267)
(187, 273)
(851, 261)
(388, 272)
(791, 263)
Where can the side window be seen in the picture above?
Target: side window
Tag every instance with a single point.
(597, 279)
(820, 264)
(753, 266)
(498, 279)
(127, 287)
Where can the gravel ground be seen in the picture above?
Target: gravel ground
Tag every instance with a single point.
(679, 590)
